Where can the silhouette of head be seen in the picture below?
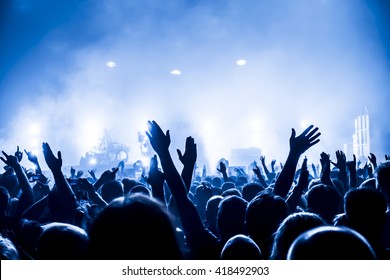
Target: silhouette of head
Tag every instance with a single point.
(291, 228)
(263, 215)
(330, 243)
(211, 213)
(228, 185)
(140, 189)
(325, 201)
(128, 184)
(216, 182)
(231, 217)
(231, 192)
(111, 190)
(240, 247)
(250, 190)
(61, 241)
(133, 227)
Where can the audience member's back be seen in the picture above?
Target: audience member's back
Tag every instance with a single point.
(133, 227)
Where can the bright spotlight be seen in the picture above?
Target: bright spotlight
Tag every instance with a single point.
(92, 161)
(241, 62)
(110, 64)
(176, 72)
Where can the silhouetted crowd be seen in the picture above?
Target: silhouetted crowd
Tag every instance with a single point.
(338, 209)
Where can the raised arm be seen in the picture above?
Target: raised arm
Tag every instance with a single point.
(223, 170)
(188, 159)
(196, 234)
(298, 145)
(351, 165)
(256, 170)
(325, 169)
(26, 199)
(156, 180)
(66, 200)
(34, 159)
(266, 171)
(299, 189)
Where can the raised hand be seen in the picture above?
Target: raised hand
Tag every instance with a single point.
(18, 154)
(303, 181)
(257, 171)
(54, 163)
(156, 179)
(341, 162)
(298, 145)
(351, 165)
(159, 140)
(387, 157)
(222, 167)
(10, 160)
(325, 170)
(372, 159)
(79, 173)
(72, 172)
(190, 153)
(92, 173)
(31, 157)
(308, 138)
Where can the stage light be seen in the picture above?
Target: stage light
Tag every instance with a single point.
(176, 72)
(110, 64)
(304, 124)
(241, 62)
(92, 161)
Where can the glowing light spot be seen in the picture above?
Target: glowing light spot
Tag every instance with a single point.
(34, 129)
(92, 161)
(241, 62)
(110, 64)
(304, 124)
(176, 72)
